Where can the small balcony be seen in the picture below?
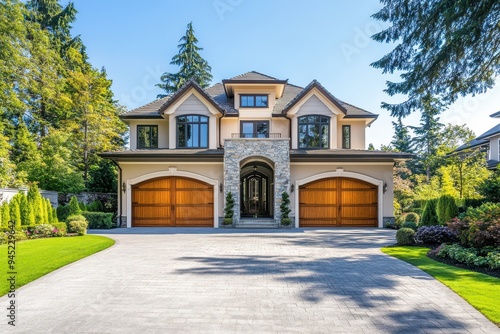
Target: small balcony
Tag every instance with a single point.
(255, 135)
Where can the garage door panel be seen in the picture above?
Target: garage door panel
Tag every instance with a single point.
(172, 201)
(194, 197)
(359, 197)
(308, 196)
(319, 203)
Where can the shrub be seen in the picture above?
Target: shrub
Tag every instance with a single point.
(434, 235)
(484, 212)
(410, 224)
(490, 188)
(227, 221)
(42, 231)
(5, 214)
(99, 220)
(473, 202)
(404, 236)
(78, 226)
(62, 212)
(229, 209)
(61, 229)
(400, 220)
(429, 216)
(412, 217)
(460, 229)
(286, 221)
(285, 205)
(74, 207)
(76, 218)
(446, 208)
(484, 233)
(15, 212)
(486, 257)
(19, 236)
(95, 206)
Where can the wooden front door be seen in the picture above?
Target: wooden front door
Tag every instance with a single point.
(338, 202)
(172, 201)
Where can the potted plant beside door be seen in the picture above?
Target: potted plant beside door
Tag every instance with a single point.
(228, 210)
(285, 209)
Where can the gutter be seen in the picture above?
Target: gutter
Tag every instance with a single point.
(119, 192)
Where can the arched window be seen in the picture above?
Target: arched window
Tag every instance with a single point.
(314, 131)
(192, 131)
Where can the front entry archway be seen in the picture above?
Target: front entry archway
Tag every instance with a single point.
(256, 190)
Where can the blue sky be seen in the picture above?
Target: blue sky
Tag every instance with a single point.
(296, 40)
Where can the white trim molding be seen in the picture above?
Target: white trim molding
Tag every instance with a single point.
(341, 173)
(172, 171)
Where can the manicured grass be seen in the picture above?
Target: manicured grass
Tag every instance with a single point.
(479, 290)
(35, 258)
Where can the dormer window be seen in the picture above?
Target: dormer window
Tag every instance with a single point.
(253, 101)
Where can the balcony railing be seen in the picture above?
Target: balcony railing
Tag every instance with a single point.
(255, 135)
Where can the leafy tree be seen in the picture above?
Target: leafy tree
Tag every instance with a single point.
(403, 188)
(25, 153)
(437, 49)
(103, 177)
(429, 215)
(7, 168)
(192, 65)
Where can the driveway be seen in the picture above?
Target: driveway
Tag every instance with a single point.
(216, 281)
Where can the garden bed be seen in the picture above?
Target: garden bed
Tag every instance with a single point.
(451, 262)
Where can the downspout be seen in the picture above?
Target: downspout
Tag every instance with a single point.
(289, 129)
(120, 193)
(220, 128)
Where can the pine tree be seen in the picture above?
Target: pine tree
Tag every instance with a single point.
(192, 65)
(436, 49)
(25, 209)
(48, 209)
(401, 141)
(427, 139)
(15, 212)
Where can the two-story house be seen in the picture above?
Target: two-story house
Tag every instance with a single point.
(254, 136)
(490, 141)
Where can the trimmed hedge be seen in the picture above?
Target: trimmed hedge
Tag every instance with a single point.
(405, 236)
(99, 220)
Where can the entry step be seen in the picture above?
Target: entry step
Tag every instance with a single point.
(257, 223)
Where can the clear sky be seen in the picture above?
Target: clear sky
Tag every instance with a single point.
(288, 39)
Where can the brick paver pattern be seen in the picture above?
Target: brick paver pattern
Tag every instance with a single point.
(218, 281)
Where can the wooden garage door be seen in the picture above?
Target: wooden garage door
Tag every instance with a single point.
(172, 201)
(338, 202)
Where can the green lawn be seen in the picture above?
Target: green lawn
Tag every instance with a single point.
(35, 258)
(479, 290)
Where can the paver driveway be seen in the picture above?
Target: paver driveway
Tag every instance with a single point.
(205, 280)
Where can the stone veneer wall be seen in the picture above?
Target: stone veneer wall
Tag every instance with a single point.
(276, 150)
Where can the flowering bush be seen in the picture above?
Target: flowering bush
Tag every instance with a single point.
(19, 235)
(434, 235)
(41, 231)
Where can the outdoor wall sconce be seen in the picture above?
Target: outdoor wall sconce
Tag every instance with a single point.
(292, 188)
(385, 187)
(124, 187)
(221, 187)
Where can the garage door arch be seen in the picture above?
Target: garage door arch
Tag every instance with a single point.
(340, 173)
(171, 172)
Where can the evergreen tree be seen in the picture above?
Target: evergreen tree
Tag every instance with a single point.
(25, 209)
(429, 215)
(229, 208)
(401, 141)
(25, 153)
(427, 139)
(437, 49)
(192, 65)
(74, 207)
(285, 205)
(48, 210)
(15, 212)
(5, 214)
(7, 168)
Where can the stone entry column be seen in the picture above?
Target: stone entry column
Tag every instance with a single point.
(275, 150)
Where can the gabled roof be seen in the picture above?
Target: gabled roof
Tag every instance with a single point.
(310, 87)
(217, 97)
(186, 87)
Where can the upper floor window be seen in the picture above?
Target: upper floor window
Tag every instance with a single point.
(147, 136)
(192, 131)
(254, 129)
(253, 101)
(346, 136)
(314, 131)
